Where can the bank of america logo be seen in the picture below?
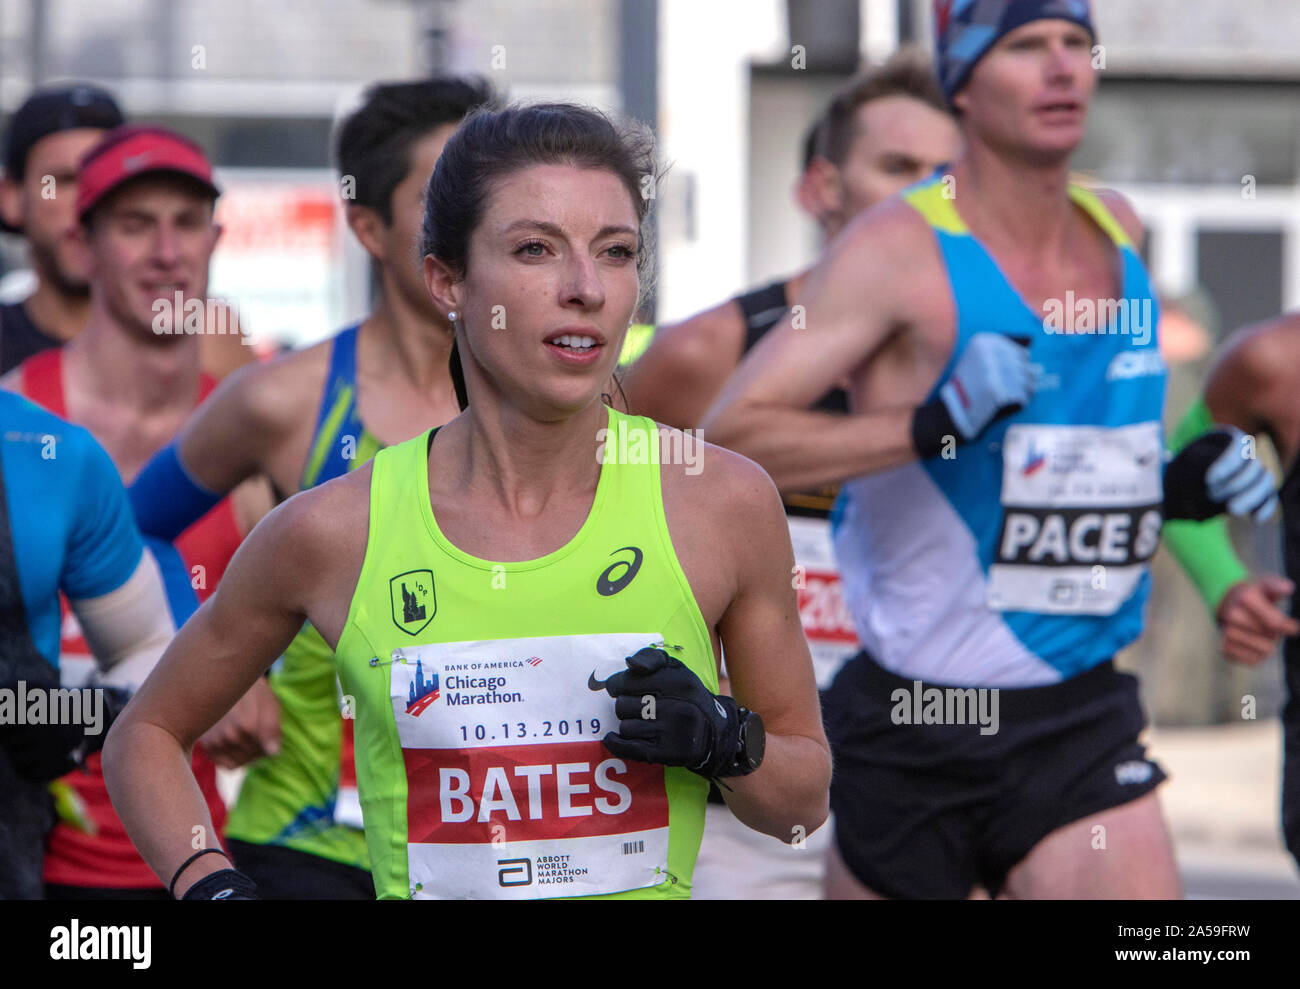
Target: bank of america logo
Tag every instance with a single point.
(423, 692)
(534, 660)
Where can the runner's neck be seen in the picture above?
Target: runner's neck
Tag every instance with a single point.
(501, 453)
(395, 341)
(119, 368)
(1011, 203)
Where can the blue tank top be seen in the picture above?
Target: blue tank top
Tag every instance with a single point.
(1020, 558)
(341, 441)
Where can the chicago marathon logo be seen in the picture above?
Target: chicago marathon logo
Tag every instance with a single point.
(423, 692)
(1034, 461)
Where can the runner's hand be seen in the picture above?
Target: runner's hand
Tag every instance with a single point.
(249, 730)
(1250, 621)
(667, 716)
(993, 377)
(43, 752)
(1215, 473)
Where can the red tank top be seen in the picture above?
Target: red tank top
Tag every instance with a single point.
(96, 851)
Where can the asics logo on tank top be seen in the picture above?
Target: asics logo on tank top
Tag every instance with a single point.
(1135, 364)
(608, 584)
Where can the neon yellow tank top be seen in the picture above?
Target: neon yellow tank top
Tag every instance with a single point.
(478, 739)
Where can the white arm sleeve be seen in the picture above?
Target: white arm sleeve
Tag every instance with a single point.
(129, 628)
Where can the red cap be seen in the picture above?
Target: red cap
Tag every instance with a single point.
(129, 151)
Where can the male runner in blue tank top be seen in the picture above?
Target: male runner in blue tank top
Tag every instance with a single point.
(65, 525)
(301, 420)
(882, 131)
(1005, 488)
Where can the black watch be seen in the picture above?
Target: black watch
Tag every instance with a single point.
(753, 742)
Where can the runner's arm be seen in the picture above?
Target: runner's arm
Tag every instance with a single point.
(224, 348)
(1240, 391)
(128, 628)
(847, 314)
(114, 586)
(685, 367)
(769, 663)
(218, 654)
(1203, 549)
(225, 442)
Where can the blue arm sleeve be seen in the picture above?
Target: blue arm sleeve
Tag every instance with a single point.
(104, 547)
(166, 499)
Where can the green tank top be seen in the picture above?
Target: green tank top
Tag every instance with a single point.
(304, 797)
(480, 764)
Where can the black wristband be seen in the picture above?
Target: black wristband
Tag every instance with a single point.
(171, 887)
(723, 756)
(932, 425)
(225, 884)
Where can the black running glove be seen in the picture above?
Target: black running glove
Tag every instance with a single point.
(225, 884)
(667, 716)
(1213, 474)
(41, 753)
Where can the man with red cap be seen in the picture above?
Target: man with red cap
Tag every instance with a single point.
(48, 136)
(145, 200)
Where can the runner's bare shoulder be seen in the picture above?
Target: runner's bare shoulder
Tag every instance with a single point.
(318, 541)
(720, 503)
(1260, 366)
(889, 255)
(707, 339)
(1122, 210)
(280, 394)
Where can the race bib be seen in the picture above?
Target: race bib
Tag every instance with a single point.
(1080, 517)
(510, 792)
(827, 624)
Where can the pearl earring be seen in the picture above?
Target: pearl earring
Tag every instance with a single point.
(451, 316)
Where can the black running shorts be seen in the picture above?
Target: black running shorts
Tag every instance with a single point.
(930, 811)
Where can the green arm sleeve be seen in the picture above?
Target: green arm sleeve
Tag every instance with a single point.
(1203, 549)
